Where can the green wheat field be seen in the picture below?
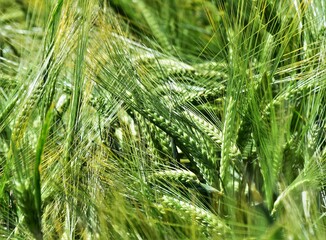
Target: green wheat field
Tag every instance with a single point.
(163, 119)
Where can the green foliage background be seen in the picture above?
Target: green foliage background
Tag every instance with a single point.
(162, 119)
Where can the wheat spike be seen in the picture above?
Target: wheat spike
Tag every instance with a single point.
(22, 120)
(178, 175)
(211, 224)
(202, 156)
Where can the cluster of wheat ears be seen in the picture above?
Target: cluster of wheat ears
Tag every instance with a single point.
(156, 119)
